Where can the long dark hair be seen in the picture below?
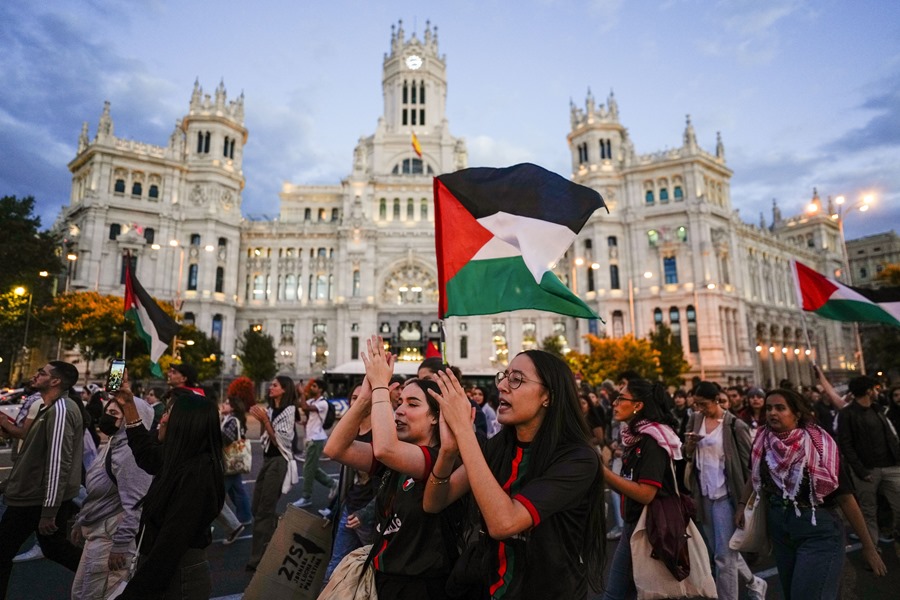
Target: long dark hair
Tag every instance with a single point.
(290, 392)
(564, 424)
(193, 434)
(658, 404)
(238, 410)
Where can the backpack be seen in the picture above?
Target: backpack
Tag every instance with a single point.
(330, 416)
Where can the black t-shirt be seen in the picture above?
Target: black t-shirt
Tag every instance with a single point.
(544, 561)
(362, 489)
(413, 544)
(646, 462)
(273, 450)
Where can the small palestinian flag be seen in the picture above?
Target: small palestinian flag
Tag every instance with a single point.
(499, 231)
(153, 325)
(832, 299)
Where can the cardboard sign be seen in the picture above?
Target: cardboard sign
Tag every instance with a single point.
(294, 564)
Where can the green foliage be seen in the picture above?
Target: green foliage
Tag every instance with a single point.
(608, 357)
(672, 363)
(554, 345)
(257, 354)
(890, 275)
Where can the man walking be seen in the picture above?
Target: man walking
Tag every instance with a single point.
(316, 409)
(46, 475)
(869, 443)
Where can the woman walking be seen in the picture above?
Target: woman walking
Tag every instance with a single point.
(796, 466)
(279, 471)
(649, 445)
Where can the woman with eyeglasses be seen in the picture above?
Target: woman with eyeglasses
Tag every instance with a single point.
(649, 444)
(538, 483)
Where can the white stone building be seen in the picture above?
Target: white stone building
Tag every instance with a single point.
(342, 261)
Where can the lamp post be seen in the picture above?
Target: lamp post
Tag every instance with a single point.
(21, 291)
(71, 257)
(838, 216)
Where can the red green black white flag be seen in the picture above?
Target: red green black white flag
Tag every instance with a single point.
(497, 234)
(832, 299)
(153, 325)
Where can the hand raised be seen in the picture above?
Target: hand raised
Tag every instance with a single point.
(456, 409)
(379, 362)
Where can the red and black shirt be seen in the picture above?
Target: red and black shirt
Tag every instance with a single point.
(646, 462)
(545, 561)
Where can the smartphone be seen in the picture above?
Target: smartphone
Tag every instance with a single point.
(116, 375)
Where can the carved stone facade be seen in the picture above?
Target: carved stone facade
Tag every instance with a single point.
(343, 261)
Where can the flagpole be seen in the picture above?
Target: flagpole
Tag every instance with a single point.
(443, 343)
(812, 355)
(124, 341)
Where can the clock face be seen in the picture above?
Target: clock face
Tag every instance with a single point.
(413, 62)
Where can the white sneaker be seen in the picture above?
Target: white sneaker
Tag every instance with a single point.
(325, 512)
(302, 503)
(756, 590)
(33, 554)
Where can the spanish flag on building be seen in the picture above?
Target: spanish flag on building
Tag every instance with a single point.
(415, 145)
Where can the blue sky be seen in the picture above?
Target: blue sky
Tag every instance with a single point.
(805, 93)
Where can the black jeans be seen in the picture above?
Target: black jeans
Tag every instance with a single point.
(19, 522)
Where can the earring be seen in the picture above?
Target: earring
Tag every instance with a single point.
(545, 404)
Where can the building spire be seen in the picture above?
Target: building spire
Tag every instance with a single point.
(83, 138)
(720, 147)
(105, 126)
(690, 137)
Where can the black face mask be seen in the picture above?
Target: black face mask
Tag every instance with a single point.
(107, 425)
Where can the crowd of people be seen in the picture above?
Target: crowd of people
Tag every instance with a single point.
(506, 491)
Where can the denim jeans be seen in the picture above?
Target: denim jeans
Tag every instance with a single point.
(234, 486)
(620, 585)
(346, 541)
(730, 565)
(809, 557)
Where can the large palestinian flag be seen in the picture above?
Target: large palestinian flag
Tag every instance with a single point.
(833, 300)
(498, 231)
(153, 325)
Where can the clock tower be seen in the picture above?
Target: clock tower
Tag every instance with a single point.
(414, 86)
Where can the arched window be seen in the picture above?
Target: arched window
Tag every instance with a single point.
(653, 237)
(217, 327)
(322, 214)
(657, 317)
(114, 230)
(195, 239)
(679, 193)
(206, 139)
(149, 234)
(120, 186)
(223, 242)
(681, 233)
(259, 287)
(410, 210)
(355, 283)
(220, 280)
(154, 191)
(193, 271)
(231, 150)
(382, 209)
(612, 242)
(334, 215)
(225, 147)
(664, 195)
(675, 324)
(321, 287)
(648, 197)
(591, 285)
(137, 189)
(396, 209)
(199, 142)
(670, 268)
(693, 342)
(614, 277)
(422, 96)
(618, 324)
(423, 213)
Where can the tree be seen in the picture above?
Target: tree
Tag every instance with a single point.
(257, 355)
(672, 363)
(890, 275)
(554, 344)
(608, 357)
(25, 253)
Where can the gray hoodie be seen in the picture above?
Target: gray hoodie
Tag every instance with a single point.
(106, 498)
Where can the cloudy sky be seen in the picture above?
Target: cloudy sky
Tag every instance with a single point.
(805, 93)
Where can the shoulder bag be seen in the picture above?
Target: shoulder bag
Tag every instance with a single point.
(353, 578)
(754, 537)
(237, 455)
(668, 555)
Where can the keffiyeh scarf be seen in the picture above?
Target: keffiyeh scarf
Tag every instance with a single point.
(662, 434)
(791, 455)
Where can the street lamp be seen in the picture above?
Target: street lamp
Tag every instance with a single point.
(840, 213)
(71, 257)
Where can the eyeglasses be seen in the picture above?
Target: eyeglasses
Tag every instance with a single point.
(624, 398)
(514, 379)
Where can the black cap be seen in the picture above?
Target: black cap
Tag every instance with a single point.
(189, 372)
